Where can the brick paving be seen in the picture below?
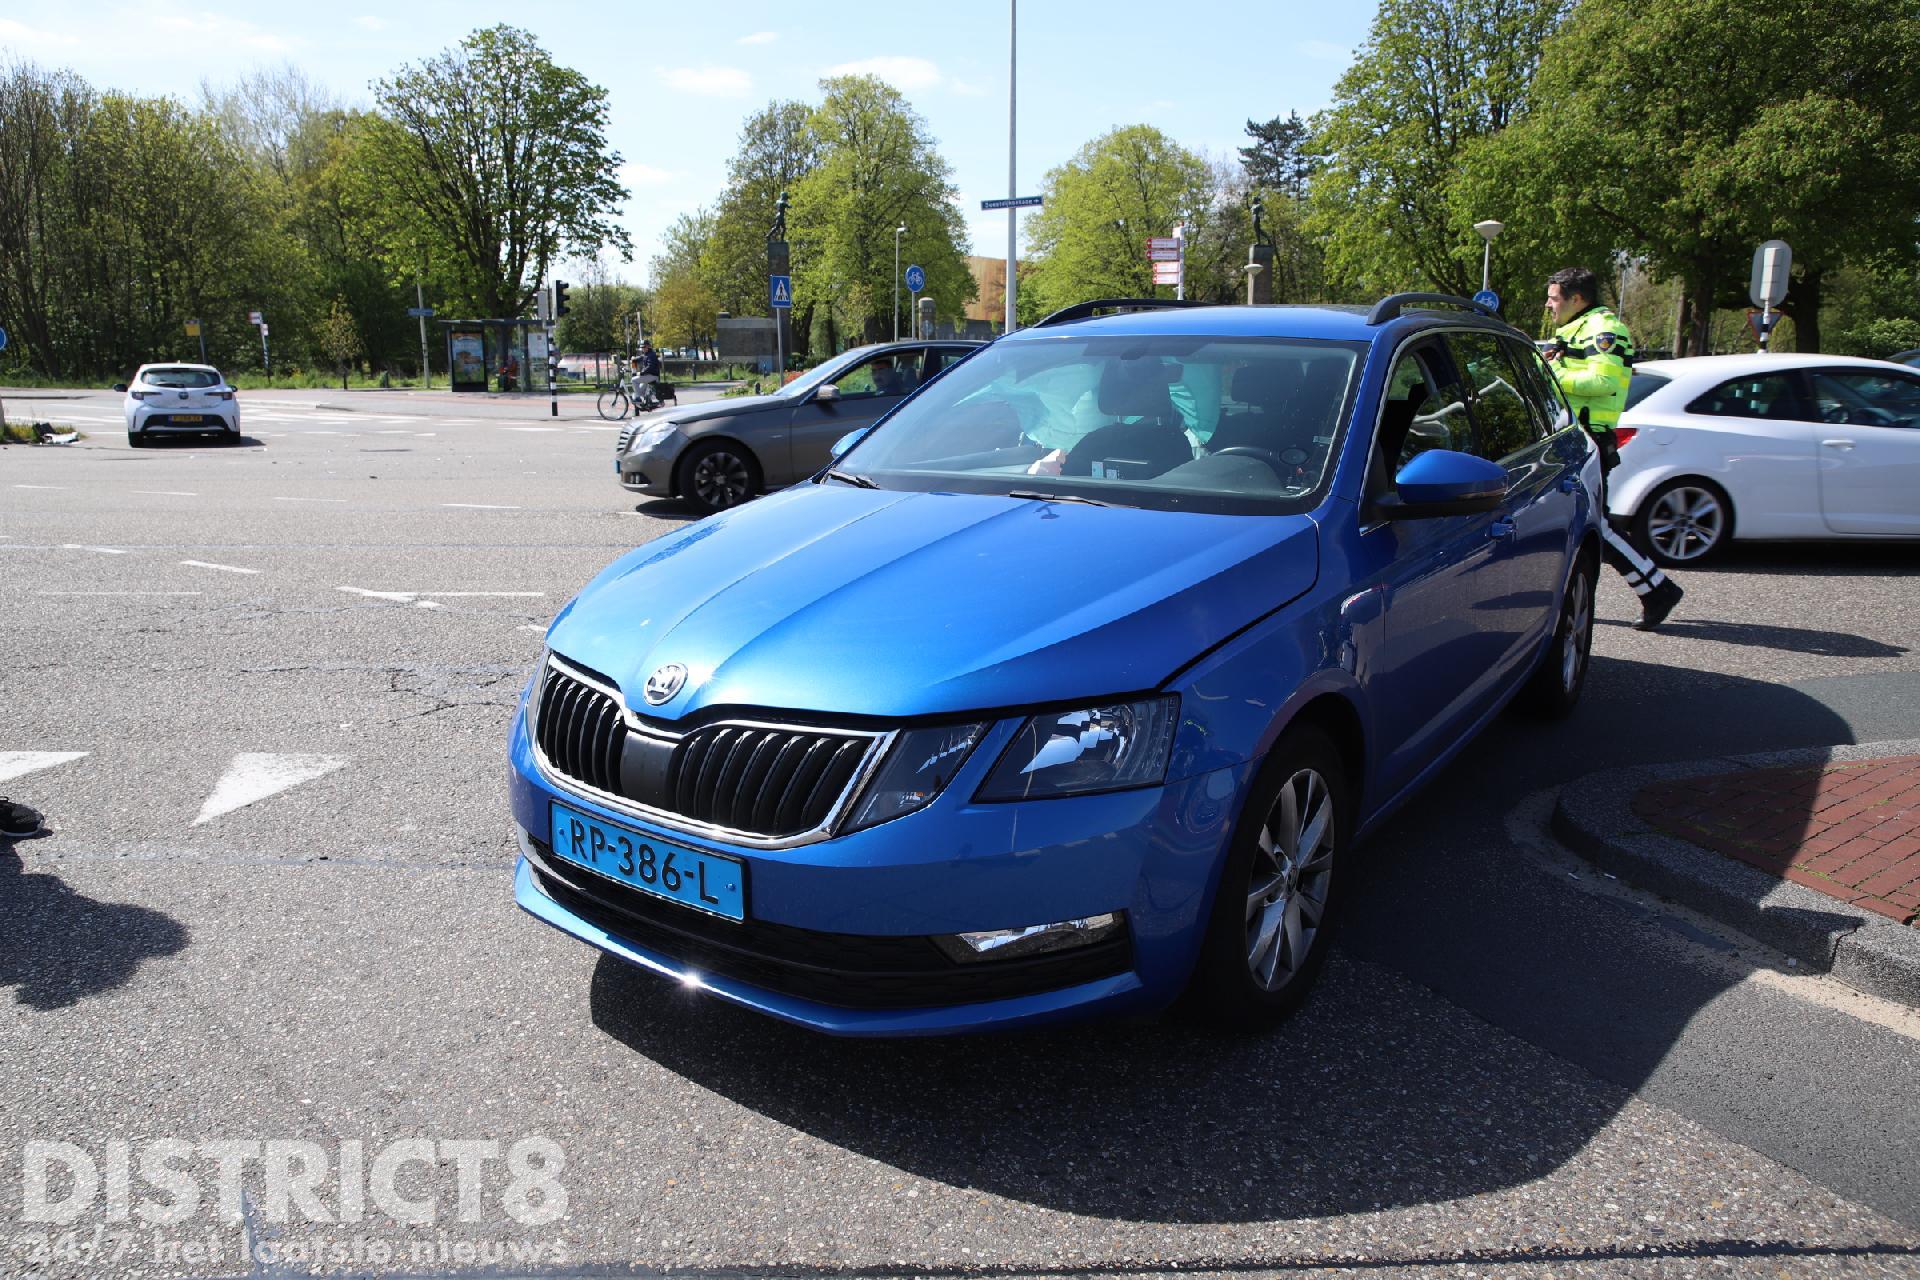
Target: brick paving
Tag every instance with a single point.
(1848, 829)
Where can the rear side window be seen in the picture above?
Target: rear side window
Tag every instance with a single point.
(1644, 385)
(184, 379)
(1770, 396)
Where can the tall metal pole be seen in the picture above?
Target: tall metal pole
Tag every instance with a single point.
(420, 305)
(1013, 188)
(896, 282)
(1486, 266)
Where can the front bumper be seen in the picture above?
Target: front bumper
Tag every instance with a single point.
(838, 935)
(147, 419)
(650, 471)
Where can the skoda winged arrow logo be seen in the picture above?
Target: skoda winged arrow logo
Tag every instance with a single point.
(664, 683)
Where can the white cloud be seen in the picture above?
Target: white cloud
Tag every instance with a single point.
(967, 89)
(759, 37)
(19, 33)
(371, 23)
(900, 72)
(1325, 50)
(708, 82)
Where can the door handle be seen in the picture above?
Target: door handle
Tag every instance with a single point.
(1838, 444)
(1500, 529)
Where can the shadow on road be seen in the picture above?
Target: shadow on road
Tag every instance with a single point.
(58, 946)
(1373, 1096)
(1821, 644)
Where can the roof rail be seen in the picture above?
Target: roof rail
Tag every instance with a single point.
(1388, 308)
(1082, 310)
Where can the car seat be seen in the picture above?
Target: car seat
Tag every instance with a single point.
(1153, 439)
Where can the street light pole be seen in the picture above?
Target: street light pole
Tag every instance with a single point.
(1013, 189)
(897, 233)
(1488, 230)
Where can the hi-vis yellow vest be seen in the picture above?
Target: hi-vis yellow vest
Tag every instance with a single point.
(1595, 369)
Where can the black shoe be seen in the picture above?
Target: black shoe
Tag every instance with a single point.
(1657, 604)
(17, 821)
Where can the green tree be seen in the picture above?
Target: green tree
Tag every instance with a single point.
(1689, 131)
(1433, 80)
(878, 169)
(1278, 159)
(683, 311)
(778, 147)
(1089, 239)
(495, 159)
(339, 339)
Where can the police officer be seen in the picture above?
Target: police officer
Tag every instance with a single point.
(1591, 355)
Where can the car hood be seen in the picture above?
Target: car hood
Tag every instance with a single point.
(860, 602)
(718, 408)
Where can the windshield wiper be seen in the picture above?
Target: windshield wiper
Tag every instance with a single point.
(853, 478)
(1057, 497)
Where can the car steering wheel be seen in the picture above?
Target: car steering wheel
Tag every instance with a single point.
(1284, 467)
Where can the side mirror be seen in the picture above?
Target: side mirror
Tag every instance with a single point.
(826, 393)
(844, 445)
(1441, 482)
(119, 386)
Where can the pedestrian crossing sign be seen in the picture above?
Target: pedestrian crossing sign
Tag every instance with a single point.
(782, 291)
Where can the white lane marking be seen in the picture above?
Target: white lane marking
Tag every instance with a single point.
(428, 604)
(255, 775)
(479, 506)
(329, 433)
(402, 597)
(225, 568)
(119, 593)
(451, 594)
(528, 626)
(530, 428)
(410, 597)
(17, 764)
(168, 493)
(426, 433)
(280, 499)
(105, 551)
(40, 486)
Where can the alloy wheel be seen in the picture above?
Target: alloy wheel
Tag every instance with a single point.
(1686, 523)
(720, 479)
(1579, 628)
(1292, 872)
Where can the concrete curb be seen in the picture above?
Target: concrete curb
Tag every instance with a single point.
(1594, 816)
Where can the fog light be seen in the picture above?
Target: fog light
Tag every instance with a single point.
(1032, 939)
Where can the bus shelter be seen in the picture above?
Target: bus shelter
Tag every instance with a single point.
(496, 355)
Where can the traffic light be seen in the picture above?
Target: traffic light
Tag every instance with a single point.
(560, 307)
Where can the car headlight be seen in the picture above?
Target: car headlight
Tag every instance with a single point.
(648, 436)
(918, 767)
(1106, 747)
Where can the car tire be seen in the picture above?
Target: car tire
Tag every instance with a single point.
(1278, 896)
(230, 438)
(1553, 691)
(717, 474)
(135, 440)
(1684, 522)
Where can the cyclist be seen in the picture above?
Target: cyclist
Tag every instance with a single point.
(646, 375)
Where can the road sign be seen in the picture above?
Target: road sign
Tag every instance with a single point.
(253, 317)
(916, 279)
(1488, 299)
(1012, 202)
(1163, 255)
(263, 330)
(421, 312)
(1166, 273)
(781, 288)
(193, 328)
(1163, 242)
(3, 339)
(1771, 262)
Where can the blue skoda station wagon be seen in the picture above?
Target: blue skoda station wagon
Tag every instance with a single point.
(1073, 685)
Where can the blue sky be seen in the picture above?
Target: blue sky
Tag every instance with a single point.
(682, 77)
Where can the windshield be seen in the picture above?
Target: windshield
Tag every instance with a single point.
(823, 372)
(1195, 423)
(185, 379)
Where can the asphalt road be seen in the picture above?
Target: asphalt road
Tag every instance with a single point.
(276, 910)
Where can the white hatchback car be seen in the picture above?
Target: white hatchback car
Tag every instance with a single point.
(1791, 447)
(180, 399)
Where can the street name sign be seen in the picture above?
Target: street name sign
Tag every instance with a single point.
(1163, 255)
(421, 312)
(1013, 202)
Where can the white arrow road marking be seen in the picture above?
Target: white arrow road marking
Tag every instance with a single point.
(255, 775)
(225, 568)
(15, 764)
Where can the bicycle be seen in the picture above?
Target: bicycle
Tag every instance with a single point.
(616, 402)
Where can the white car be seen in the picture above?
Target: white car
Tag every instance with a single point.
(180, 399)
(1714, 448)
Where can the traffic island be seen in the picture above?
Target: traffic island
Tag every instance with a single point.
(1815, 853)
